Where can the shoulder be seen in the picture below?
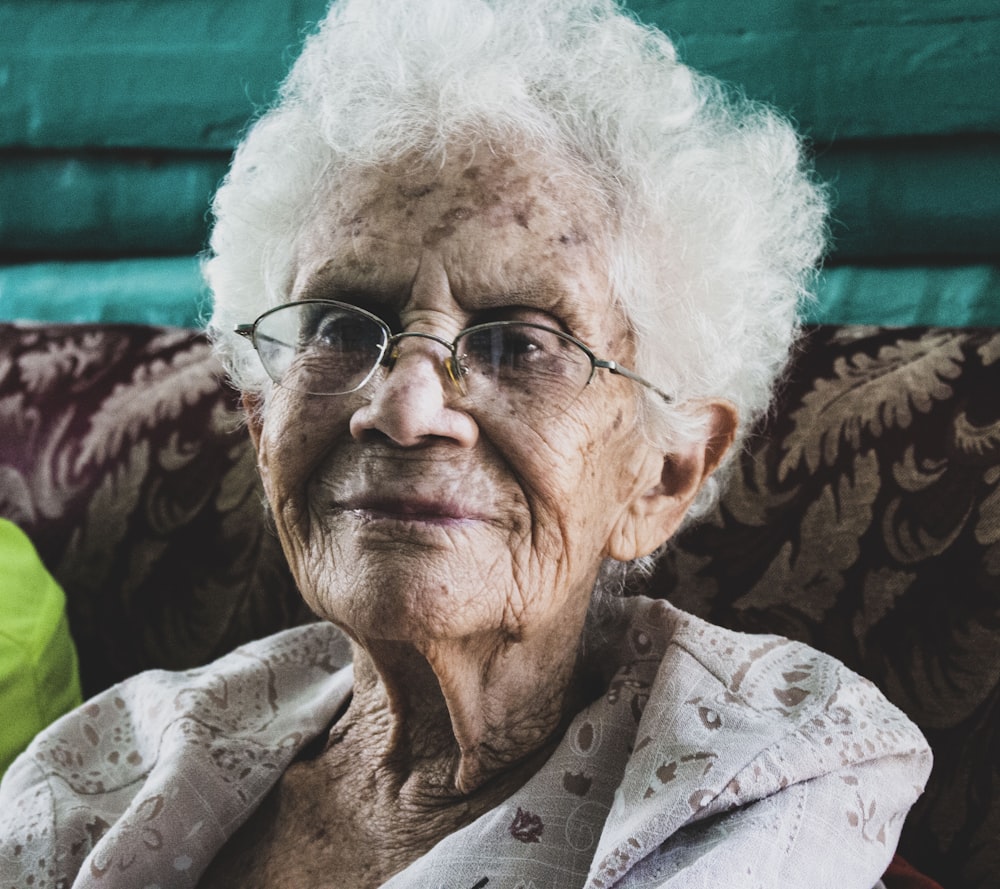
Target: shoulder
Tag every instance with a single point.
(760, 748)
(230, 726)
(788, 681)
(115, 737)
(733, 698)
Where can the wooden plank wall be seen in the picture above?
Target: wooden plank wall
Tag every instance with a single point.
(117, 118)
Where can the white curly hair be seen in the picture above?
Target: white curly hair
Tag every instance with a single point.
(717, 223)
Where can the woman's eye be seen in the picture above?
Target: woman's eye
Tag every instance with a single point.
(521, 344)
(498, 347)
(503, 348)
(341, 332)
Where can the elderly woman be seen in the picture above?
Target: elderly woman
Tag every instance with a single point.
(502, 283)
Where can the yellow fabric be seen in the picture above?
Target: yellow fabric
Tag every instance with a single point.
(39, 678)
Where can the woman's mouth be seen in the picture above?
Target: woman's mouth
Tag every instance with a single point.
(410, 510)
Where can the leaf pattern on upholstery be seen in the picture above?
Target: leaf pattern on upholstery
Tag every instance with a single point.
(872, 393)
(169, 386)
(6, 366)
(989, 351)
(756, 511)
(978, 440)
(912, 477)
(15, 497)
(70, 360)
(92, 544)
(124, 458)
(908, 541)
(824, 546)
(881, 590)
(43, 436)
(987, 526)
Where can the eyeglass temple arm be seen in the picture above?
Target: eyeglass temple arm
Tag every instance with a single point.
(247, 332)
(615, 368)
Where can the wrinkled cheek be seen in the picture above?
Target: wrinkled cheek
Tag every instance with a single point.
(543, 568)
(320, 570)
(319, 552)
(284, 462)
(294, 439)
(567, 545)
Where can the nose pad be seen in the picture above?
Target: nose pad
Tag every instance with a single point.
(452, 368)
(456, 375)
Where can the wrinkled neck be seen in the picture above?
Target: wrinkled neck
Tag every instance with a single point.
(463, 713)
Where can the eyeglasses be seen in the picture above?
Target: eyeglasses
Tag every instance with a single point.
(323, 347)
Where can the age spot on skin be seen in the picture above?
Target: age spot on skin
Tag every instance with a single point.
(417, 191)
(574, 238)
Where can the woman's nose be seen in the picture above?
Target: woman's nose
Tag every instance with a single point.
(412, 401)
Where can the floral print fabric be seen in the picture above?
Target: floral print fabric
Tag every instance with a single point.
(711, 756)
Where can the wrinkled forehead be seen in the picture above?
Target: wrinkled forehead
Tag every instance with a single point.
(530, 202)
(482, 183)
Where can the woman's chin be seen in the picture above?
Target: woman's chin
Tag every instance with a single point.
(411, 586)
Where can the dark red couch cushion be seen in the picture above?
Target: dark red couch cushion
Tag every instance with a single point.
(903, 875)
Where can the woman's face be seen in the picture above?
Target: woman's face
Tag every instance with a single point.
(403, 517)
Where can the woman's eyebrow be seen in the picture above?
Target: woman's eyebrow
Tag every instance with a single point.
(544, 296)
(332, 283)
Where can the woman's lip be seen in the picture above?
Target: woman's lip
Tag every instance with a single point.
(409, 510)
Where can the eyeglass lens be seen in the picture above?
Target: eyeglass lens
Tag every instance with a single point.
(326, 348)
(320, 348)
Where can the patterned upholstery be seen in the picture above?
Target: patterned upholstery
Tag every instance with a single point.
(123, 459)
(864, 518)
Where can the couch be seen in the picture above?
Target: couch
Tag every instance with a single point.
(863, 517)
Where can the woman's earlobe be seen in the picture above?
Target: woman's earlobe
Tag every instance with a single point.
(253, 404)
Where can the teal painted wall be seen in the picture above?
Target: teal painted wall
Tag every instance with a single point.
(117, 118)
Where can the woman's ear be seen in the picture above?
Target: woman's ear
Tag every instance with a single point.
(656, 512)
